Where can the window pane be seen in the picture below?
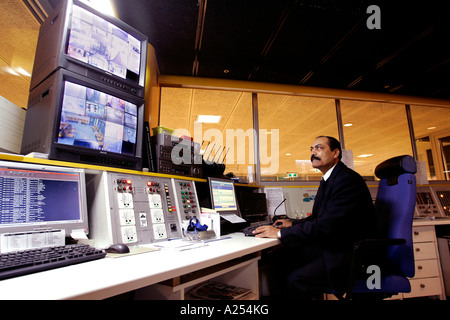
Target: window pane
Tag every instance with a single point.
(374, 132)
(288, 126)
(230, 141)
(425, 154)
(430, 122)
(445, 149)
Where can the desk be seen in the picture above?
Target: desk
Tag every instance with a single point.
(109, 277)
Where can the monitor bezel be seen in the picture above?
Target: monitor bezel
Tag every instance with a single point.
(68, 226)
(62, 151)
(58, 26)
(213, 205)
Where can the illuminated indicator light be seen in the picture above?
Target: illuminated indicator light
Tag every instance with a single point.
(129, 181)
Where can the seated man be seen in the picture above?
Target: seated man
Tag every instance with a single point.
(317, 250)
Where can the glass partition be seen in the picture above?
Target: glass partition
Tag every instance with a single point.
(374, 132)
(431, 129)
(288, 126)
(220, 121)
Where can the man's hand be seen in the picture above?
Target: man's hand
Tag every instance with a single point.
(266, 232)
(282, 223)
(272, 231)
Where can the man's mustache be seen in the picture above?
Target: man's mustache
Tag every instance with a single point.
(313, 157)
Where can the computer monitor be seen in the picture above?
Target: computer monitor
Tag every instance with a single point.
(223, 196)
(74, 118)
(83, 40)
(40, 203)
(253, 206)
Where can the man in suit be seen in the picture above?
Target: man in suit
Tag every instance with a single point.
(317, 250)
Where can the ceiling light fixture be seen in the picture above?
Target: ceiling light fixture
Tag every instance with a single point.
(208, 119)
(365, 155)
(348, 124)
(23, 72)
(431, 128)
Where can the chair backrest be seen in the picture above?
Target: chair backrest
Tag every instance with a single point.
(394, 206)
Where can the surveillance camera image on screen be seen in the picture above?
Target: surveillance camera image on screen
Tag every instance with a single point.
(97, 120)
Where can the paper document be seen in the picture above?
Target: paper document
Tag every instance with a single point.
(274, 197)
(232, 217)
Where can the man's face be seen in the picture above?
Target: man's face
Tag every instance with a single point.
(322, 157)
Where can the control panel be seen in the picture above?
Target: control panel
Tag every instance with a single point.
(443, 196)
(426, 204)
(187, 200)
(133, 209)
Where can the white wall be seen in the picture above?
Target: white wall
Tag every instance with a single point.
(12, 119)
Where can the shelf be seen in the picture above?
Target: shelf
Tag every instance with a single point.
(89, 167)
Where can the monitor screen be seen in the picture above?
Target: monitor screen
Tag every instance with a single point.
(37, 197)
(95, 41)
(96, 120)
(223, 195)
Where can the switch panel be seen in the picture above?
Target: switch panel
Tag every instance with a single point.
(187, 200)
(426, 204)
(137, 209)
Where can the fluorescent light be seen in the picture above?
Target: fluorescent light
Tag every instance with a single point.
(365, 155)
(288, 154)
(348, 124)
(11, 71)
(23, 72)
(208, 119)
(103, 6)
(431, 128)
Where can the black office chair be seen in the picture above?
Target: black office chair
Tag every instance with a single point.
(391, 253)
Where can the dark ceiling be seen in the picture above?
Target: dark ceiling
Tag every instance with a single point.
(319, 43)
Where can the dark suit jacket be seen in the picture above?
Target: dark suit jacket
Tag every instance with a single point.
(344, 215)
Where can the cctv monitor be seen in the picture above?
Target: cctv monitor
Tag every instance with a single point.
(80, 39)
(74, 118)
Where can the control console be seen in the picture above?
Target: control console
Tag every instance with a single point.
(133, 209)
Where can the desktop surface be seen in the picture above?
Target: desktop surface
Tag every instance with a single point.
(109, 277)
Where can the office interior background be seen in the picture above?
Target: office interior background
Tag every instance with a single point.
(301, 68)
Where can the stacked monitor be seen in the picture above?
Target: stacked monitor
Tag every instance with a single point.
(87, 90)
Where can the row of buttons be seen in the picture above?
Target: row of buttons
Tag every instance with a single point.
(187, 199)
(124, 185)
(118, 85)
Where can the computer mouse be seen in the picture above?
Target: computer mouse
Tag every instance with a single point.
(118, 248)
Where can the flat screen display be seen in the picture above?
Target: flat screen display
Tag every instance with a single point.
(223, 195)
(97, 120)
(99, 43)
(29, 197)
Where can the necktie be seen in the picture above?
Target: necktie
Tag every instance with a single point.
(319, 196)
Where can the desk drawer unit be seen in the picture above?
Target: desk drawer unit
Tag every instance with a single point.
(428, 277)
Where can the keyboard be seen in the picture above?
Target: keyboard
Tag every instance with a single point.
(20, 263)
(248, 231)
